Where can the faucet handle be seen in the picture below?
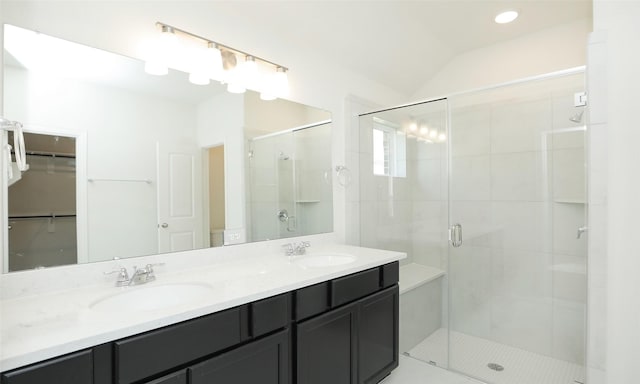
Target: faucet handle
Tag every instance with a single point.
(288, 249)
(306, 244)
(123, 275)
(150, 273)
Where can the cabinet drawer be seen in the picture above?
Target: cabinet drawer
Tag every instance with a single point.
(161, 350)
(390, 274)
(76, 368)
(355, 286)
(310, 301)
(174, 378)
(270, 314)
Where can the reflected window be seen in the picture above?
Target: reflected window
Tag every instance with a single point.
(389, 149)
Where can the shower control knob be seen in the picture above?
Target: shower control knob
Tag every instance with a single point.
(164, 225)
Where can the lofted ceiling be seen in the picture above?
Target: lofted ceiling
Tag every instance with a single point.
(392, 41)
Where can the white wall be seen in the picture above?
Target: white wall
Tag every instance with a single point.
(546, 51)
(617, 23)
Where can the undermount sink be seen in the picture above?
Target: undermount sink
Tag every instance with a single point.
(320, 260)
(152, 297)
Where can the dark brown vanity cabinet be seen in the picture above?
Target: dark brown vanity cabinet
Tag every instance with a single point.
(355, 343)
(342, 331)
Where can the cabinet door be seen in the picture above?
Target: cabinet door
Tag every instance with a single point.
(377, 335)
(326, 348)
(265, 361)
(76, 368)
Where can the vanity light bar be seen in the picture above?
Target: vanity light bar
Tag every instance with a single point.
(220, 46)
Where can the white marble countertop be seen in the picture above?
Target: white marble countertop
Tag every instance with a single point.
(41, 326)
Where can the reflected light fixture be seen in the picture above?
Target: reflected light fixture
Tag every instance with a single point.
(207, 64)
(215, 61)
(163, 47)
(506, 17)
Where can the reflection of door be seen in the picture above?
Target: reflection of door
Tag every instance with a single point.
(179, 202)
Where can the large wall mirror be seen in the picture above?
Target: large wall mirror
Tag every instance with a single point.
(124, 164)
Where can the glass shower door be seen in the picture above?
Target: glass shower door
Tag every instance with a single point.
(517, 263)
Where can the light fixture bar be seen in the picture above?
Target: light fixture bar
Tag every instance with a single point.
(219, 45)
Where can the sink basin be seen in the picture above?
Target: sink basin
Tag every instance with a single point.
(152, 297)
(320, 260)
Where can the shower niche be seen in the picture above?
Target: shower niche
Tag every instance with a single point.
(42, 205)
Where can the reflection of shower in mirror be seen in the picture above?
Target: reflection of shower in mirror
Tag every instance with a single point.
(577, 118)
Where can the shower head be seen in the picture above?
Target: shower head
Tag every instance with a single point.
(282, 156)
(577, 118)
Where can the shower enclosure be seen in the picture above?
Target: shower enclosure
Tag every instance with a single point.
(487, 188)
(288, 193)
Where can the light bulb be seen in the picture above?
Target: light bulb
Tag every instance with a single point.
(424, 130)
(161, 50)
(213, 59)
(234, 82)
(442, 137)
(249, 72)
(413, 127)
(199, 74)
(281, 82)
(275, 85)
(433, 134)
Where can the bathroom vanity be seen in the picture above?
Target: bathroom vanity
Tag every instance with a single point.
(341, 329)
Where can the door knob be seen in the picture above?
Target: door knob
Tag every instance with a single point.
(164, 225)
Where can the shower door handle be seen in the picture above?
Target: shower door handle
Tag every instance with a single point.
(455, 235)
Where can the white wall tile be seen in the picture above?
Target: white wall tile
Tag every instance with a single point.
(521, 226)
(470, 290)
(470, 178)
(470, 131)
(569, 174)
(518, 176)
(570, 278)
(568, 331)
(426, 180)
(518, 127)
(521, 273)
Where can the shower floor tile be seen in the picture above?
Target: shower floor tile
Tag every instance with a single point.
(471, 355)
(412, 371)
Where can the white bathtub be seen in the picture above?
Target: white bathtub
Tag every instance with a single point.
(421, 309)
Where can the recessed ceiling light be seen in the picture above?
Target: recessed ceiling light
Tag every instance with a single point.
(506, 17)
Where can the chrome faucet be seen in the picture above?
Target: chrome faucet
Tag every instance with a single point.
(140, 275)
(296, 249)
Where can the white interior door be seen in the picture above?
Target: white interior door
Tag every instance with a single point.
(179, 198)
